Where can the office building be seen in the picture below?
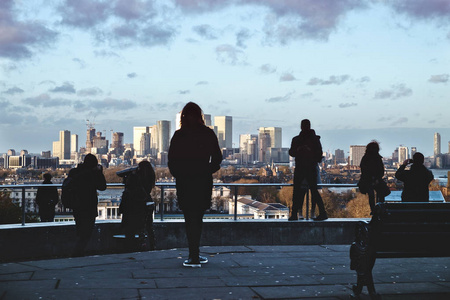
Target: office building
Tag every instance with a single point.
(356, 154)
(137, 135)
(437, 144)
(248, 147)
(224, 126)
(74, 143)
(413, 151)
(163, 135)
(403, 154)
(61, 148)
(275, 135)
(339, 156)
(264, 143)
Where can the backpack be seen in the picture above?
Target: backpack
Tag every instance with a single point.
(68, 193)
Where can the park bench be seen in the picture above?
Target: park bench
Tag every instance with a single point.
(407, 229)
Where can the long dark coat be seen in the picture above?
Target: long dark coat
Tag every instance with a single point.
(416, 181)
(47, 198)
(88, 181)
(194, 155)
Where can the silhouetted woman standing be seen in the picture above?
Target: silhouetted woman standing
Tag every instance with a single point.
(372, 172)
(194, 155)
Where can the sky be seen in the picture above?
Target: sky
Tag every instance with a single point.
(358, 69)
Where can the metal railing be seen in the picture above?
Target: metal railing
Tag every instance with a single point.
(163, 185)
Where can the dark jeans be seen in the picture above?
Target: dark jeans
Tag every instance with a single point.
(193, 222)
(310, 174)
(371, 192)
(84, 224)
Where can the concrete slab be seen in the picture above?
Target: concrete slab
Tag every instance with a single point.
(223, 293)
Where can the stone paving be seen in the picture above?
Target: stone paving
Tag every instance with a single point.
(242, 272)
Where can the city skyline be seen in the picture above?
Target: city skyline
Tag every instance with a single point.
(359, 70)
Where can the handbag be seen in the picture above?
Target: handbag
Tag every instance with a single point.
(382, 188)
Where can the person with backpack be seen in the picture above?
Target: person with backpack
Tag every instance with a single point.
(46, 199)
(137, 205)
(86, 179)
(307, 150)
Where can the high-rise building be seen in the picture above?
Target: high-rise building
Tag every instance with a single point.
(248, 147)
(62, 147)
(413, 151)
(339, 156)
(275, 135)
(163, 128)
(264, 142)
(356, 154)
(137, 135)
(74, 143)
(403, 154)
(207, 119)
(145, 146)
(90, 134)
(117, 142)
(224, 131)
(437, 144)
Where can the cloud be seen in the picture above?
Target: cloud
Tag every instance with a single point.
(132, 9)
(337, 80)
(44, 100)
(423, 9)
(13, 91)
(364, 79)
(83, 13)
(230, 55)
(242, 36)
(21, 39)
(93, 91)
(287, 77)
(280, 99)
(105, 53)
(400, 121)
(202, 83)
(346, 105)
(112, 104)
(132, 75)
(206, 32)
(267, 69)
(66, 88)
(80, 62)
(287, 20)
(442, 78)
(395, 92)
(183, 92)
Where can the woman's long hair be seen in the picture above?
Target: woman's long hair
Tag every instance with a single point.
(372, 148)
(191, 115)
(146, 174)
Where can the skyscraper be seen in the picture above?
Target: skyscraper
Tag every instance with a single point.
(403, 154)
(356, 154)
(248, 147)
(74, 143)
(62, 147)
(437, 144)
(275, 135)
(224, 131)
(163, 128)
(339, 156)
(137, 135)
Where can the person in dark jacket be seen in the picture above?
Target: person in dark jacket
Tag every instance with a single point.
(372, 172)
(88, 178)
(194, 155)
(416, 180)
(137, 205)
(46, 199)
(307, 150)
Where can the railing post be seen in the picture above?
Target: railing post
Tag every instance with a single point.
(23, 206)
(235, 202)
(307, 203)
(161, 204)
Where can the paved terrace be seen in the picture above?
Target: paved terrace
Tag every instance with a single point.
(234, 272)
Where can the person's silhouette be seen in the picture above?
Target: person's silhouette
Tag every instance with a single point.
(416, 180)
(194, 155)
(46, 199)
(307, 150)
(372, 172)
